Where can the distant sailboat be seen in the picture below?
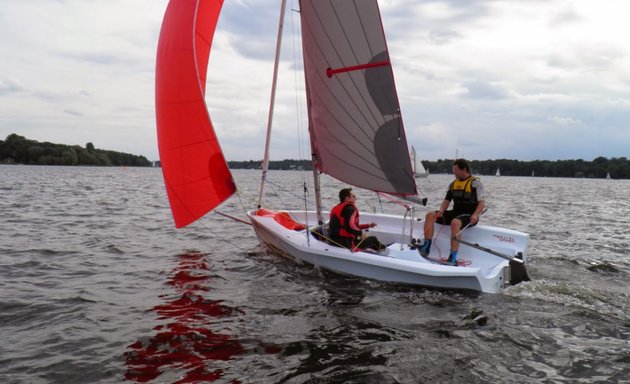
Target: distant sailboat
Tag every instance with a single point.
(418, 168)
(498, 172)
(533, 174)
(607, 175)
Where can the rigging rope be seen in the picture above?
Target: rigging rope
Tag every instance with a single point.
(298, 109)
(284, 189)
(460, 262)
(308, 238)
(301, 136)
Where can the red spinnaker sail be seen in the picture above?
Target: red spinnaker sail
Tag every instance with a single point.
(195, 172)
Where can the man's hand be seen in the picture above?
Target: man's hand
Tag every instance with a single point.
(474, 219)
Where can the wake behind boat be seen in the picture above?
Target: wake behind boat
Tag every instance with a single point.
(357, 136)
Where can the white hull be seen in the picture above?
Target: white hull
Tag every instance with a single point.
(401, 264)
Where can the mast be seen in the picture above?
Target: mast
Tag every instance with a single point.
(318, 192)
(318, 197)
(265, 163)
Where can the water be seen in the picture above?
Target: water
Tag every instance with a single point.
(96, 286)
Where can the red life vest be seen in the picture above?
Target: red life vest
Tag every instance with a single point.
(338, 223)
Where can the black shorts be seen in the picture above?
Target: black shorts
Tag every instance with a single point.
(340, 241)
(448, 216)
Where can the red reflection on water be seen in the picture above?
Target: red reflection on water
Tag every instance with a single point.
(186, 343)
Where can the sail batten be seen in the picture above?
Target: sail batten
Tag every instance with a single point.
(360, 171)
(356, 130)
(350, 94)
(195, 172)
(330, 72)
(354, 106)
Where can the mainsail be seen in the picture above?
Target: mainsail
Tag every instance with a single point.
(195, 172)
(355, 125)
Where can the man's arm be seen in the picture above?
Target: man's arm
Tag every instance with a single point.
(474, 218)
(481, 197)
(443, 207)
(447, 200)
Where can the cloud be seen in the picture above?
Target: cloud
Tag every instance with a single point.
(564, 120)
(443, 36)
(72, 112)
(252, 27)
(491, 79)
(568, 15)
(9, 86)
(484, 90)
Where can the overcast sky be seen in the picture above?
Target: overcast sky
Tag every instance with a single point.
(529, 79)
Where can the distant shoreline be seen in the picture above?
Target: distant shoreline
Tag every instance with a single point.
(617, 168)
(559, 169)
(20, 150)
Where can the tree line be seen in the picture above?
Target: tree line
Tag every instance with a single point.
(284, 165)
(617, 167)
(20, 150)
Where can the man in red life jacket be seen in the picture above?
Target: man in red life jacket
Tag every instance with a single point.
(345, 229)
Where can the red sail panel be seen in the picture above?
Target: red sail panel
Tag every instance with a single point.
(195, 172)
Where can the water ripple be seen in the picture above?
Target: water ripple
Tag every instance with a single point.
(96, 286)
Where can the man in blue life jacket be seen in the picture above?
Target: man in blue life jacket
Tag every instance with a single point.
(345, 229)
(468, 196)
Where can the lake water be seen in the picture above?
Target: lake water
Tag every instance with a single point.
(97, 286)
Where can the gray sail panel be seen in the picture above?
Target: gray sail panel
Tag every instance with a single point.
(354, 117)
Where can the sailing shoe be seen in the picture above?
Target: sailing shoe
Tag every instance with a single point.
(425, 248)
(452, 258)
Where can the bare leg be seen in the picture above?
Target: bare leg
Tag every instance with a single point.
(429, 223)
(456, 226)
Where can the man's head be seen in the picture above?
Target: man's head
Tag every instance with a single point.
(346, 194)
(461, 169)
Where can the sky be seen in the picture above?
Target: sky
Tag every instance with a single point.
(526, 80)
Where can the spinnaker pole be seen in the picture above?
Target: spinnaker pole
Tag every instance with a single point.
(265, 163)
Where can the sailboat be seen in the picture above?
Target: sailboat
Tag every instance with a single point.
(418, 168)
(356, 135)
(498, 172)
